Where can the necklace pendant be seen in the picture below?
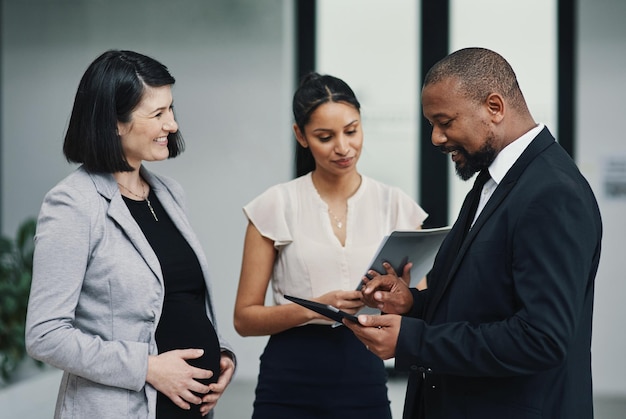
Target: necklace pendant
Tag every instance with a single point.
(338, 222)
(151, 209)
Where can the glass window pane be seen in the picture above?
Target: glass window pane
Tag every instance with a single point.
(373, 46)
(523, 32)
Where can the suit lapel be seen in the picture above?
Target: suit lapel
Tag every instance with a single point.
(543, 140)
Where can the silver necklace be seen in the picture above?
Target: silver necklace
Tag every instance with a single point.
(338, 221)
(143, 198)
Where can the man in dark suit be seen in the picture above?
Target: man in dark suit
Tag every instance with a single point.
(503, 330)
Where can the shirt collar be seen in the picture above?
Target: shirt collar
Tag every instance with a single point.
(509, 154)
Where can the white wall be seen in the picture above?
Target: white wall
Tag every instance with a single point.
(232, 60)
(601, 89)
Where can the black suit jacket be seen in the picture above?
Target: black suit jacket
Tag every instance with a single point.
(504, 330)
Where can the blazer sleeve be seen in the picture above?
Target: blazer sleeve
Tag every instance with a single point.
(552, 252)
(419, 301)
(64, 239)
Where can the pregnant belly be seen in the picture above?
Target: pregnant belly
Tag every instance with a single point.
(185, 325)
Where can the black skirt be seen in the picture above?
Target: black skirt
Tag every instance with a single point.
(317, 371)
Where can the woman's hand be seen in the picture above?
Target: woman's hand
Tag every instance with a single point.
(227, 369)
(348, 301)
(170, 374)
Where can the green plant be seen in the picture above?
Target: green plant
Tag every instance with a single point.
(16, 268)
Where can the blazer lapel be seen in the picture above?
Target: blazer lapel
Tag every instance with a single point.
(543, 140)
(173, 205)
(118, 211)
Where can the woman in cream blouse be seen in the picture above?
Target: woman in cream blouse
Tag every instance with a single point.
(313, 237)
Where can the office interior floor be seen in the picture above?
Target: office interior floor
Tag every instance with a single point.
(34, 397)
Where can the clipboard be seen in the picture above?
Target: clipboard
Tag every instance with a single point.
(402, 246)
(324, 309)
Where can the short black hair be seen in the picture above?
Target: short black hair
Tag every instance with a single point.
(480, 72)
(315, 90)
(108, 92)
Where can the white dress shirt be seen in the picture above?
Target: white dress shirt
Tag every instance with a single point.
(505, 159)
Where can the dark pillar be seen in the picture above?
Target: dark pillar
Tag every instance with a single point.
(433, 167)
(305, 37)
(566, 75)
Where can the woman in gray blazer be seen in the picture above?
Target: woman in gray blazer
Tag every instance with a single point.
(121, 298)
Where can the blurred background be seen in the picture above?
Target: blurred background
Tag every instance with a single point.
(237, 63)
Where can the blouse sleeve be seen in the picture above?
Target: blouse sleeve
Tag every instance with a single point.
(409, 215)
(269, 212)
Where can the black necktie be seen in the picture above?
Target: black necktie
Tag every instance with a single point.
(481, 179)
(472, 199)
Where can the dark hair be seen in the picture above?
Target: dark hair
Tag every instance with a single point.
(315, 90)
(480, 72)
(108, 92)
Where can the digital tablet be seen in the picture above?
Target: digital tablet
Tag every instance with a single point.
(324, 309)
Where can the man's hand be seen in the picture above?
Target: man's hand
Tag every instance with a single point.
(379, 334)
(388, 293)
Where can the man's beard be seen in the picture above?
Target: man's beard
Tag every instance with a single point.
(475, 162)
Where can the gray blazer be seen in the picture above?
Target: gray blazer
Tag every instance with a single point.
(97, 295)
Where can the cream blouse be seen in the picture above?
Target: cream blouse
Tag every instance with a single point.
(311, 261)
